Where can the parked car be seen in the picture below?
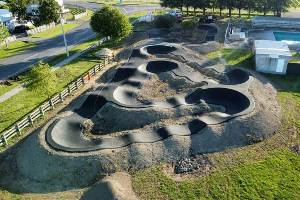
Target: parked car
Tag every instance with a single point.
(208, 19)
(176, 14)
(20, 29)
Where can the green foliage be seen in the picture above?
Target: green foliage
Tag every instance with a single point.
(48, 11)
(3, 33)
(42, 79)
(189, 24)
(18, 7)
(164, 21)
(109, 21)
(76, 10)
(264, 6)
(275, 177)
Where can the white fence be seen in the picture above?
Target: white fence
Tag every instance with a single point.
(80, 15)
(40, 29)
(8, 40)
(48, 105)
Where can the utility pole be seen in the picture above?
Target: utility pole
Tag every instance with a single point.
(64, 35)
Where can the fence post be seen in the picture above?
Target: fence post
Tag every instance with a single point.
(18, 128)
(61, 97)
(82, 79)
(5, 140)
(51, 103)
(69, 89)
(76, 84)
(42, 111)
(95, 70)
(30, 120)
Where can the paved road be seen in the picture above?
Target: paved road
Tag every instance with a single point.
(51, 47)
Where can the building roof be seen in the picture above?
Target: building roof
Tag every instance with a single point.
(5, 15)
(271, 48)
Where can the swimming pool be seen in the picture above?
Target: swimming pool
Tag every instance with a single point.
(287, 36)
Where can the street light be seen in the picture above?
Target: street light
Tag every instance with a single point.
(64, 35)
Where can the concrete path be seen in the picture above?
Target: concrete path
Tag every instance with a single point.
(11, 93)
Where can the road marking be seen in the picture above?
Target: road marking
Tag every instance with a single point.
(32, 56)
(124, 10)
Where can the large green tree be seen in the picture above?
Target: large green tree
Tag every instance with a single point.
(48, 11)
(109, 21)
(18, 7)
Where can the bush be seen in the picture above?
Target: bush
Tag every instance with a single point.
(164, 21)
(188, 25)
(76, 10)
(109, 21)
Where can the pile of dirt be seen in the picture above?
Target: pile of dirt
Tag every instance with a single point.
(155, 90)
(198, 163)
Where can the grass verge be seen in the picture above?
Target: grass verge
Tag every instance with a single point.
(275, 177)
(15, 48)
(56, 31)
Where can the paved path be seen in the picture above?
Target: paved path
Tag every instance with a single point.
(51, 47)
(11, 93)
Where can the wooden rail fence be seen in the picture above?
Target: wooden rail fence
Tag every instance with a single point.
(48, 105)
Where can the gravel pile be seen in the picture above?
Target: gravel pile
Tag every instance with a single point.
(197, 163)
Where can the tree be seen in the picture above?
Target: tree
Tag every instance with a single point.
(109, 21)
(48, 11)
(173, 4)
(42, 78)
(3, 33)
(18, 7)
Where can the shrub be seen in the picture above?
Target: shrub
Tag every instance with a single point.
(188, 25)
(109, 21)
(164, 21)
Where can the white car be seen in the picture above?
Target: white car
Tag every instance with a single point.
(176, 14)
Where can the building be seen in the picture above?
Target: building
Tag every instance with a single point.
(7, 18)
(271, 56)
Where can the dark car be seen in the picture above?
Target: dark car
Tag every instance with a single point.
(208, 19)
(20, 29)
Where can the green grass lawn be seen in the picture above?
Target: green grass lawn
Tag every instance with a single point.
(56, 31)
(15, 48)
(275, 177)
(5, 88)
(25, 101)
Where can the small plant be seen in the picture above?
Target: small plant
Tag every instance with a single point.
(42, 79)
(165, 21)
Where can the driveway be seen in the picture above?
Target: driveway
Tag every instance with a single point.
(51, 47)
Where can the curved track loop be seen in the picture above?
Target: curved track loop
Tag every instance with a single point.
(66, 133)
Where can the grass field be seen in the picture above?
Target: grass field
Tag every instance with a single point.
(267, 170)
(56, 31)
(15, 48)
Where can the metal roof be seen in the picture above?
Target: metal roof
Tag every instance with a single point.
(271, 47)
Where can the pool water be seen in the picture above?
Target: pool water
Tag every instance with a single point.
(287, 36)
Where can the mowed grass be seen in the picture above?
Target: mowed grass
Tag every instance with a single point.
(266, 170)
(25, 101)
(15, 48)
(56, 31)
(275, 177)
(6, 88)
